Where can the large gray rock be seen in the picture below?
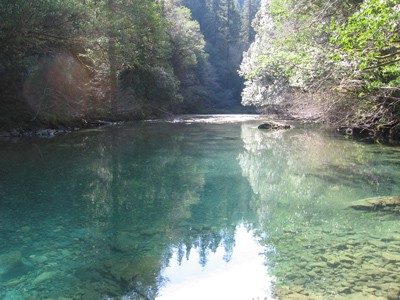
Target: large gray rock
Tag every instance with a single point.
(273, 125)
(390, 203)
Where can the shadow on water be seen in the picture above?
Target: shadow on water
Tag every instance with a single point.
(152, 210)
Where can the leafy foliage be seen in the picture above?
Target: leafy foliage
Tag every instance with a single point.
(369, 42)
(30, 31)
(314, 48)
(128, 55)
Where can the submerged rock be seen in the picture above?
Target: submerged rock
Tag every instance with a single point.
(9, 261)
(44, 277)
(391, 258)
(390, 203)
(274, 125)
(296, 293)
(124, 242)
(393, 292)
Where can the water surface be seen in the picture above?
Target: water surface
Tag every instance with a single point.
(205, 207)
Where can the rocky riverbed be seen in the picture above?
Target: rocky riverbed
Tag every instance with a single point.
(337, 265)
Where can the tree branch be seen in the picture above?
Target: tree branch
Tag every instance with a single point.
(382, 65)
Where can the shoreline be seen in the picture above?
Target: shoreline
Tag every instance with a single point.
(360, 132)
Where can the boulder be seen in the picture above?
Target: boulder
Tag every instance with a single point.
(9, 261)
(390, 203)
(273, 125)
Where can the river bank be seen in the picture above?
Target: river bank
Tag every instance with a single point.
(370, 132)
(47, 132)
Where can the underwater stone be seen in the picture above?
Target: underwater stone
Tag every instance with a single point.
(391, 258)
(346, 259)
(66, 252)
(331, 260)
(377, 203)
(9, 261)
(320, 264)
(377, 244)
(41, 259)
(393, 292)
(25, 229)
(125, 271)
(296, 293)
(344, 290)
(44, 277)
(300, 281)
(124, 242)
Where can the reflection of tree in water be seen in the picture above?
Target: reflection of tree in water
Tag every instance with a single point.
(151, 196)
(298, 170)
(302, 181)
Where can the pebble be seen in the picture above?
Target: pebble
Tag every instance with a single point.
(391, 258)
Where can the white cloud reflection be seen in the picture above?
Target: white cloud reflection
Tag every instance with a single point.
(245, 276)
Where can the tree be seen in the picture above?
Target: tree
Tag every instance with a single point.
(340, 57)
(250, 8)
(123, 49)
(188, 56)
(112, 60)
(264, 85)
(34, 36)
(369, 41)
(220, 22)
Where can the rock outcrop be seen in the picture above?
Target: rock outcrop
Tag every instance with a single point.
(387, 203)
(273, 125)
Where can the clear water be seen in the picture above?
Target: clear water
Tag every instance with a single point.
(197, 208)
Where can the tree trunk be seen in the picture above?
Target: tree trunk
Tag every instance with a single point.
(112, 60)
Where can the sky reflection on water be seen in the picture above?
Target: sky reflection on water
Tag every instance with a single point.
(244, 276)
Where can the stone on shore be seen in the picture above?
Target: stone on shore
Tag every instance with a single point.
(273, 125)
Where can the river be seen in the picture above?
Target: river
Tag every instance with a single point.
(197, 207)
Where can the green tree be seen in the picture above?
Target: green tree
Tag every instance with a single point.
(188, 55)
(123, 49)
(250, 8)
(220, 22)
(31, 32)
(341, 58)
(369, 41)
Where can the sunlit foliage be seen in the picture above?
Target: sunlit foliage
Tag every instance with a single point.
(312, 48)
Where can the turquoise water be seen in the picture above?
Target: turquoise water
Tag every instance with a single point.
(174, 210)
